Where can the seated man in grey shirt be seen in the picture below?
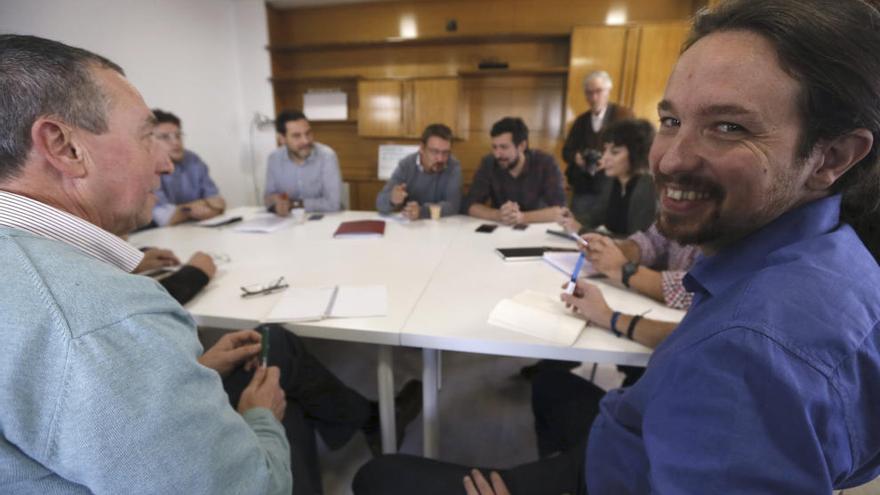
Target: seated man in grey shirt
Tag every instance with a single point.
(301, 173)
(430, 176)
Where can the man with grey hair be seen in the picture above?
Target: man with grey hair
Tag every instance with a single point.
(104, 385)
(582, 148)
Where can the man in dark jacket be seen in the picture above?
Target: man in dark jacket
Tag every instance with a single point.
(582, 147)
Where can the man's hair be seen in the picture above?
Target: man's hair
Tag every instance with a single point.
(40, 77)
(637, 135)
(163, 117)
(598, 74)
(514, 125)
(287, 116)
(832, 48)
(441, 131)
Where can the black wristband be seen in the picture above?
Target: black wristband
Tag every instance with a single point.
(632, 326)
(614, 316)
(628, 270)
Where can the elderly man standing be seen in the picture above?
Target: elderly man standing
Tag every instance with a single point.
(767, 158)
(583, 147)
(103, 383)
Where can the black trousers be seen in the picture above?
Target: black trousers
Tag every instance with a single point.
(564, 406)
(316, 401)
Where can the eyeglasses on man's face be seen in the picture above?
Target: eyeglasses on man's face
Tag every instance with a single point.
(167, 137)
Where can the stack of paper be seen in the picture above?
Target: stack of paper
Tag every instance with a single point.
(300, 304)
(220, 220)
(265, 223)
(538, 315)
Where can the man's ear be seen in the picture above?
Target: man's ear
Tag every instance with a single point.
(56, 143)
(837, 156)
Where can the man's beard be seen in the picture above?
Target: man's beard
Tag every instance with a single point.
(302, 153)
(690, 230)
(718, 228)
(512, 165)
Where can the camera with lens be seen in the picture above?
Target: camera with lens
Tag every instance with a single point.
(591, 158)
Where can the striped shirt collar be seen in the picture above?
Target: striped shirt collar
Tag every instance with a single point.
(23, 213)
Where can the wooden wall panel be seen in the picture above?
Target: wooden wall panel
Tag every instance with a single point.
(435, 100)
(537, 100)
(594, 48)
(407, 61)
(365, 22)
(381, 108)
(659, 47)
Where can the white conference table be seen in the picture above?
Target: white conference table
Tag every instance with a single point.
(443, 279)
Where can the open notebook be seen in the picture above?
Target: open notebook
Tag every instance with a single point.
(301, 304)
(539, 315)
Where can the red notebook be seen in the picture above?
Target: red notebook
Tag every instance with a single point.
(361, 228)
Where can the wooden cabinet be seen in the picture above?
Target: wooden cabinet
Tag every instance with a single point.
(595, 48)
(380, 113)
(638, 58)
(403, 108)
(659, 46)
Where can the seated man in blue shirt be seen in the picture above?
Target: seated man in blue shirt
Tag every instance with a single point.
(430, 176)
(302, 172)
(767, 158)
(187, 193)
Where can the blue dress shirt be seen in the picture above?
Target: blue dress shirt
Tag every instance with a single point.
(189, 181)
(317, 181)
(771, 383)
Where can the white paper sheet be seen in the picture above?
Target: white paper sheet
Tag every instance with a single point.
(326, 105)
(218, 220)
(312, 304)
(299, 304)
(354, 302)
(538, 315)
(265, 223)
(390, 155)
(565, 262)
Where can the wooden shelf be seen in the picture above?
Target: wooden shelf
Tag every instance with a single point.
(515, 71)
(282, 78)
(441, 40)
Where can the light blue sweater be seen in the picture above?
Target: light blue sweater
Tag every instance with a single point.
(100, 390)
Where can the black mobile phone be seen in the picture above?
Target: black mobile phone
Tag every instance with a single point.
(520, 226)
(316, 216)
(487, 228)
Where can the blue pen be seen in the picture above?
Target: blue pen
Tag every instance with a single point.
(569, 289)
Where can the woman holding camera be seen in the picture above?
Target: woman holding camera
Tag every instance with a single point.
(627, 201)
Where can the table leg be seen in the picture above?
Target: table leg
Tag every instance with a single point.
(385, 378)
(430, 363)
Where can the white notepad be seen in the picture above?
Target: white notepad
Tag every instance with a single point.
(264, 223)
(538, 315)
(303, 304)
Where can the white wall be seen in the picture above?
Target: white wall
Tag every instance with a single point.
(204, 60)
